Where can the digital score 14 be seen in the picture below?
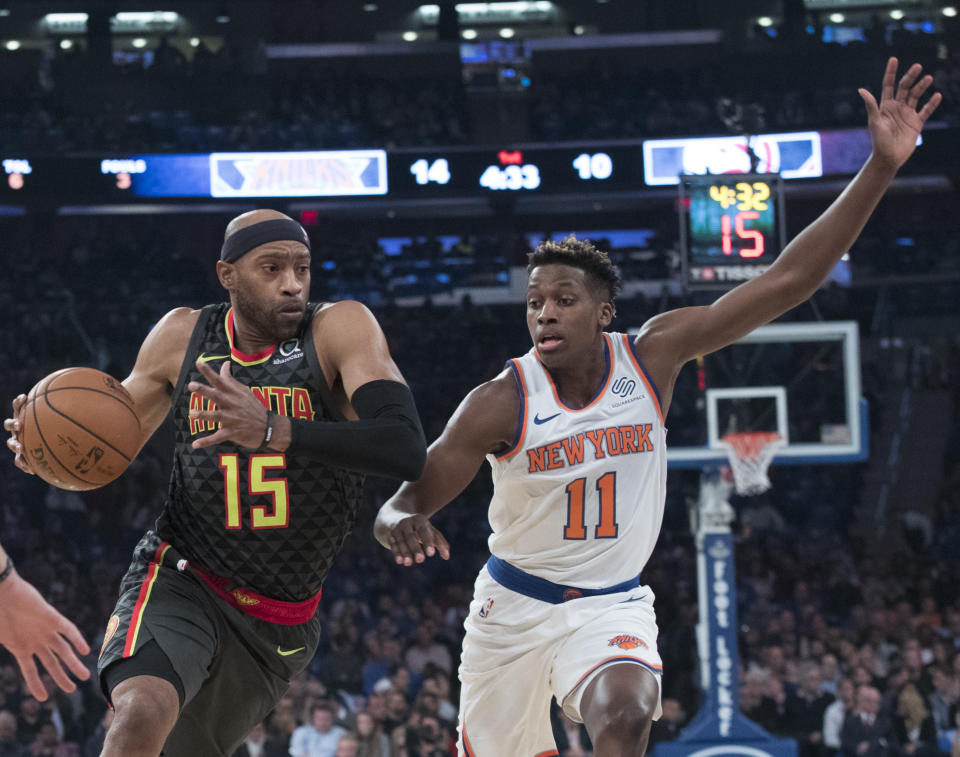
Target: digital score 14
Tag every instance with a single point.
(731, 227)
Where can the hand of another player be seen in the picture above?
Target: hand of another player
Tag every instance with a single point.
(12, 427)
(895, 123)
(30, 627)
(242, 418)
(413, 539)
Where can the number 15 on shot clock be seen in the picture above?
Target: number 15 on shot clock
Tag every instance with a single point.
(731, 226)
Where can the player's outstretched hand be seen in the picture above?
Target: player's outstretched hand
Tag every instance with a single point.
(12, 427)
(895, 123)
(413, 539)
(30, 627)
(242, 418)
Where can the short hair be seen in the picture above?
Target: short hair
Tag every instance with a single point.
(323, 706)
(582, 254)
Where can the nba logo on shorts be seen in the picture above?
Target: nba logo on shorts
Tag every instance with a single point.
(487, 607)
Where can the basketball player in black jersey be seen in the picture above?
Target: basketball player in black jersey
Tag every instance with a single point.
(279, 407)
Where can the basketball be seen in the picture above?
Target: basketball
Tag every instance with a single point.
(79, 429)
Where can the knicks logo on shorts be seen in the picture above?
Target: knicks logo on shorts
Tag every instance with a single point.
(487, 607)
(112, 626)
(627, 641)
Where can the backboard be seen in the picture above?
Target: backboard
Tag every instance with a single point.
(801, 380)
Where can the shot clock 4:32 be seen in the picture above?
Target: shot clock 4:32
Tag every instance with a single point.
(731, 226)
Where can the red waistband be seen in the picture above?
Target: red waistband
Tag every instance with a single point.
(261, 607)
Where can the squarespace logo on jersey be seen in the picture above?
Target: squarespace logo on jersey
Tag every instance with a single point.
(603, 442)
(287, 351)
(292, 401)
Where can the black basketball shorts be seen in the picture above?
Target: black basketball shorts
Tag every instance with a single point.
(231, 668)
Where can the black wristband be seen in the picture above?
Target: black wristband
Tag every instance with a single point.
(7, 571)
(268, 431)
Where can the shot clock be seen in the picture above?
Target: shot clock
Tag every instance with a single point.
(731, 227)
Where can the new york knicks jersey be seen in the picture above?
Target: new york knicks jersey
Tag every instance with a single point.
(264, 520)
(578, 499)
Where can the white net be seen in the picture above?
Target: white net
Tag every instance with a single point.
(750, 453)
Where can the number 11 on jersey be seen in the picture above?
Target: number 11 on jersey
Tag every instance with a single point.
(576, 527)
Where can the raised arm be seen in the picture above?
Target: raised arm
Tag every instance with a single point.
(485, 422)
(894, 125)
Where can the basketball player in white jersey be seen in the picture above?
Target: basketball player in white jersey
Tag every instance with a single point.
(576, 441)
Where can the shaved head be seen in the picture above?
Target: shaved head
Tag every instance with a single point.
(265, 265)
(251, 217)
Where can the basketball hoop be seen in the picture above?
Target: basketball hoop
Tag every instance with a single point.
(750, 454)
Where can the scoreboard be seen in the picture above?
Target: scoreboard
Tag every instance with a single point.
(731, 227)
(412, 174)
(404, 175)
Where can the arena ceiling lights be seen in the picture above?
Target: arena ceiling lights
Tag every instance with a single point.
(518, 11)
(124, 22)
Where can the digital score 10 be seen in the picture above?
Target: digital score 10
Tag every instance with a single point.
(731, 227)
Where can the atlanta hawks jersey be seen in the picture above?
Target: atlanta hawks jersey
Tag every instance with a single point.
(263, 520)
(579, 497)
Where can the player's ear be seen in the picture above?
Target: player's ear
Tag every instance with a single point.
(227, 274)
(607, 312)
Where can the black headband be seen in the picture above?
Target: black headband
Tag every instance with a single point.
(241, 242)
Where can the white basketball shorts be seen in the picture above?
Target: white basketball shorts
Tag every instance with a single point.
(519, 652)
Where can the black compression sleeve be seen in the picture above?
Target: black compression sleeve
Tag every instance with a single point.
(387, 440)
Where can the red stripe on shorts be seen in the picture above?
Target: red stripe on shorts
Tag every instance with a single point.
(137, 616)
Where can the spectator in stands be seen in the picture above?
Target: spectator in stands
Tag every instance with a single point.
(9, 745)
(383, 658)
(32, 718)
(438, 684)
(866, 731)
(396, 710)
(48, 744)
(347, 746)
(804, 709)
(829, 669)
(371, 740)
(426, 649)
(320, 737)
(943, 698)
(259, 744)
(431, 738)
(834, 715)
(913, 724)
(377, 709)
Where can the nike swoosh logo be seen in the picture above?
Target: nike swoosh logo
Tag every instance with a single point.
(634, 599)
(204, 358)
(538, 420)
(289, 652)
